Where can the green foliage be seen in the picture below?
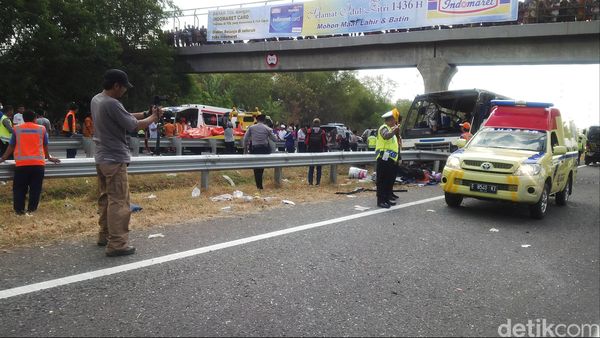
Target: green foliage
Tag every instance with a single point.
(56, 51)
(300, 97)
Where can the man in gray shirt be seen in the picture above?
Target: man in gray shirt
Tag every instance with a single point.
(257, 139)
(112, 123)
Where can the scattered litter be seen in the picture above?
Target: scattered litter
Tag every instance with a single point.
(67, 205)
(151, 197)
(458, 289)
(430, 210)
(87, 181)
(135, 207)
(248, 198)
(359, 173)
(3, 183)
(494, 230)
(156, 235)
(228, 179)
(360, 208)
(421, 185)
(222, 198)
(196, 192)
(285, 180)
(226, 208)
(525, 245)
(171, 175)
(350, 196)
(238, 194)
(269, 199)
(28, 214)
(288, 202)
(364, 181)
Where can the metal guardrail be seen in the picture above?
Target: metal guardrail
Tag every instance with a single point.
(204, 163)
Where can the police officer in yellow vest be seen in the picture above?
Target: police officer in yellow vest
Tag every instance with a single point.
(372, 140)
(387, 151)
(6, 129)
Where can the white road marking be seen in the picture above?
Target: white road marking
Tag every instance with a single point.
(581, 166)
(21, 290)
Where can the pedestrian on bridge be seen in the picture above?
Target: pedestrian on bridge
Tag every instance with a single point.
(387, 152)
(257, 139)
(29, 142)
(112, 124)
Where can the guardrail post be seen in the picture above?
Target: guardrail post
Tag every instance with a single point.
(89, 147)
(436, 164)
(278, 175)
(204, 179)
(176, 142)
(213, 145)
(333, 174)
(134, 145)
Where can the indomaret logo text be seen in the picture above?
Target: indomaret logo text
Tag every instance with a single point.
(466, 6)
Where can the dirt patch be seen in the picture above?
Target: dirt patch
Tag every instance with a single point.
(68, 210)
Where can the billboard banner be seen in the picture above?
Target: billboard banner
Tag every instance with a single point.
(326, 17)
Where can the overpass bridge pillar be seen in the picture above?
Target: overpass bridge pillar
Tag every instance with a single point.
(436, 73)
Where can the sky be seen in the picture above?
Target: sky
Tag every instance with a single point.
(574, 89)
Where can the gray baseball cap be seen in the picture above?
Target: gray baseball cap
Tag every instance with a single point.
(113, 76)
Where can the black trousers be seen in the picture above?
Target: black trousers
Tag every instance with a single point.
(27, 179)
(386, 177)
(71, 153)
(258, 173)
(229, 147)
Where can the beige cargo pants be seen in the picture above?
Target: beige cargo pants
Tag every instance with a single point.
(113, 204)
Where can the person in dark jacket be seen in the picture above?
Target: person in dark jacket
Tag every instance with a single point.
(316, 142)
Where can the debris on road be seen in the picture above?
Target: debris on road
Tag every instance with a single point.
(359, 173)
(350, 196)
(228, 179)
(151, 196)
(238, 194)
(196, 192)
(222, 198)
(159, 235)
(171, 175)
(269, 199)
(135, 208)
(226, 208)
(494, 230)
(430, 210)
(525, 245)
(360, 208)
(288, 202)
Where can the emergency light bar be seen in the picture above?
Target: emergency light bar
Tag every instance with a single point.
(514, 103)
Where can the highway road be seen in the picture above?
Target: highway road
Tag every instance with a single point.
(322, 269)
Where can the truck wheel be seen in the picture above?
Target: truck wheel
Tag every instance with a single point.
(453, 200)
(562, 197)
(538, 210)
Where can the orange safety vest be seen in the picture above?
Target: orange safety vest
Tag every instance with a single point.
(66, 123)
(180, 128)
(29, 149)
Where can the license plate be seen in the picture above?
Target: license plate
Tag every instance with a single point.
(487, 188)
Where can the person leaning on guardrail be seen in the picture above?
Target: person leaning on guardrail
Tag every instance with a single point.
(112, 124)
(257, 139)
(29, 143)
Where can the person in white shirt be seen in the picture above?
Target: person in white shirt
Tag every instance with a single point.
(153, 127)
(18, 117)
(301, 140)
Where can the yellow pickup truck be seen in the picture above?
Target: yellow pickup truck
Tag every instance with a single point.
(523, 154)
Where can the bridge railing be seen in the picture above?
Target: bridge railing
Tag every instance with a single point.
(83, 167)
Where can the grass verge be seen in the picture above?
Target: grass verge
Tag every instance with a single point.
(68, 209)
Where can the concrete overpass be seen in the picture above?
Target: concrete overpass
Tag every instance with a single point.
(436, 53)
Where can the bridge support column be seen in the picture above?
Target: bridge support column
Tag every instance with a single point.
(213, 145)
(177, 144)
(436, 73)
(134, 145)
(204, 179)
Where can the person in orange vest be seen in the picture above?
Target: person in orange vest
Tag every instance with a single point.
(465, 129)
(70, 127)
(88, 126)
(29, 143)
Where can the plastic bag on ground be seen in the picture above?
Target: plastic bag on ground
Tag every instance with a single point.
(196, 192)
(222, 198)
(228, 179)
(288, 202)
(238, 194)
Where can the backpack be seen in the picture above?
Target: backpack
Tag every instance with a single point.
(315, 140)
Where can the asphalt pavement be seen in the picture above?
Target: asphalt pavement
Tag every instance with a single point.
(323, 269)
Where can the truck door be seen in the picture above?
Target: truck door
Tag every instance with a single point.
(560, 165)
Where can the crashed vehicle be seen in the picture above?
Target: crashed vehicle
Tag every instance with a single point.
(433, 120)
(523, 154)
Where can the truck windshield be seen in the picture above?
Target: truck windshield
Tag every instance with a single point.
(518, 139)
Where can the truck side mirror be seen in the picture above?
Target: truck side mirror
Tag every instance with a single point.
(461, 142)
(559, 150)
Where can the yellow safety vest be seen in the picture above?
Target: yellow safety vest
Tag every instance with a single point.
(5, 134)
(372, 141)
(389, 146)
